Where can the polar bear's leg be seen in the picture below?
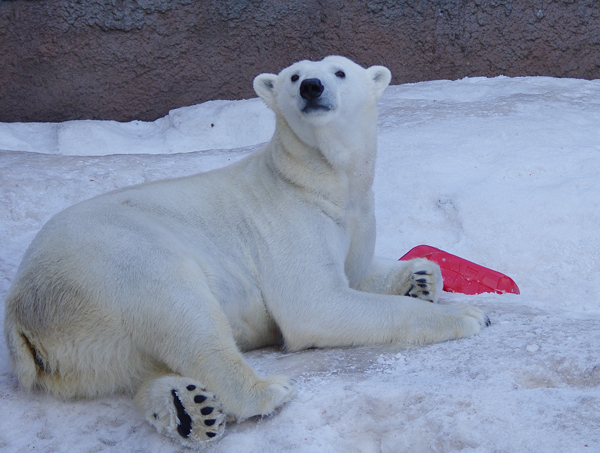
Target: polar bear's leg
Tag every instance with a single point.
(191, 336)
(328, 313)
(225, 372)
(182, 409)
(356, 318)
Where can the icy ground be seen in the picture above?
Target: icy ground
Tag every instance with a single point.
(504, 172)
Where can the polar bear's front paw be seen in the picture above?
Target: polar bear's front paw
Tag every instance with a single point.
(182, 409)
(425, 281)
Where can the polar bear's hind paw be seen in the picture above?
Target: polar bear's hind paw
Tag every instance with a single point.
(193, 419)
(185, 423)
(193, 415)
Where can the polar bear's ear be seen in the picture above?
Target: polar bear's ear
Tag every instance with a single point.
(264, 86)
(381, 77)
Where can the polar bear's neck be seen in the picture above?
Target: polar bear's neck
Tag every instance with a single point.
(336, 168)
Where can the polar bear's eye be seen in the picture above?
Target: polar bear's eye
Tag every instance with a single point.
(295, 77)
(340, 74)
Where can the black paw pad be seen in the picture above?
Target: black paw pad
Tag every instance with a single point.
(198, 399)
(210, 422)
(206, 410)
(487, 322)
(210, 434)
(184, 428)
(421, 273)
(191, 388)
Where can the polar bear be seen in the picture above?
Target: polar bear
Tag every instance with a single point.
(158, 289)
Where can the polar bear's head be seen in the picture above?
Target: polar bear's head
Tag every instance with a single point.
(334, 93)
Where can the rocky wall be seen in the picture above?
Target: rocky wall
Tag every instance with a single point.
(137, 59)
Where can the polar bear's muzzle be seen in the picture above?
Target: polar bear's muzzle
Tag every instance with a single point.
(311, 91)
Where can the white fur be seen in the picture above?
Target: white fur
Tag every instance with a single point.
(160, 285)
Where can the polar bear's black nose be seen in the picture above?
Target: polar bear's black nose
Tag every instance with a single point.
(311, 89)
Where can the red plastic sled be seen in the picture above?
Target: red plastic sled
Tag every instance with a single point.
(462, 276)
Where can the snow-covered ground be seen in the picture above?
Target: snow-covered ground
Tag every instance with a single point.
(504, 172)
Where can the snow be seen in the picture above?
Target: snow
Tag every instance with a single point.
(504, 172)
(212, 125)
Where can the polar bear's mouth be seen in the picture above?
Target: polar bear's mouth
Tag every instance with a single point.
(314, 108)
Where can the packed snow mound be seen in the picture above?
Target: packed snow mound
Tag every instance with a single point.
(212, 125)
